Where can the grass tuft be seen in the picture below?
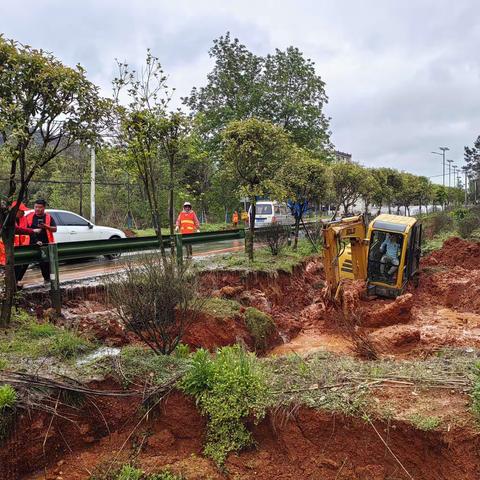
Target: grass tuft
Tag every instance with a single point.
(260, 325)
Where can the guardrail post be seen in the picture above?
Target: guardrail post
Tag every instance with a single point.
(179, 248)
(54, 278)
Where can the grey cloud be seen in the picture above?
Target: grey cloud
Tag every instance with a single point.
(402, 77)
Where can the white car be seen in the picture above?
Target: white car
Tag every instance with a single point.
(74, 228)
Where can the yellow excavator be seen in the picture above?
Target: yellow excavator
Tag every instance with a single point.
(386, 253)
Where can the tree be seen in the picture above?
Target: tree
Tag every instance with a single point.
(294, 97)
(173, 130)
(472, 157)
(233, 91)
(142, 127)
(304, 178)
(45, 108)
(254, 151)
(282, 88)
(349, 183)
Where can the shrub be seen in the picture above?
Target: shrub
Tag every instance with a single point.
(275, 236)
(476, 392)
(467, 225)
(440, 222)
(260, 326)
(157, 300)
(228, 388)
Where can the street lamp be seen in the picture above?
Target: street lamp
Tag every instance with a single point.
(449, 172)
(443, 149)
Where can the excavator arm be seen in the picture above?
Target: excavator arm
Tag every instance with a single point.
(334, 233)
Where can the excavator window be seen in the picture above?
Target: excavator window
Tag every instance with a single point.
(384, 256)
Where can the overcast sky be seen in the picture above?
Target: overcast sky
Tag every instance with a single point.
(403, 77)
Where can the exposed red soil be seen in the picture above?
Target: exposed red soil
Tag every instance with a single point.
(303, 443)
(456, 252)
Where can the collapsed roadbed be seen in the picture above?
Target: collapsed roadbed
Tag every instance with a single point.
(406, 413)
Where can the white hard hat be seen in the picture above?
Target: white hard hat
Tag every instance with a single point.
(187, 204)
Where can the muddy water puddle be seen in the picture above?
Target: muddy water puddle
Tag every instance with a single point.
(310, 341)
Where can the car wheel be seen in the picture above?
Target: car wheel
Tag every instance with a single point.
(113, 256)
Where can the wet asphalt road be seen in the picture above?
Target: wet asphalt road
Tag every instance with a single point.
(100, 266)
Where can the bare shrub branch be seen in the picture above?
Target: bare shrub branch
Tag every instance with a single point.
(157, 300)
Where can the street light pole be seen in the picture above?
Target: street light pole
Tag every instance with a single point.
(449, 172)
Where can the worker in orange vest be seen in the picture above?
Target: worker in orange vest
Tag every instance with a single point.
(43, 226)
(187, 223)
(22, 232)
(235, 219)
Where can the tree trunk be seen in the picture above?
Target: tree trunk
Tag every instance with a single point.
(10, 281)
(297, 229)
(253, 206)
(389, 208)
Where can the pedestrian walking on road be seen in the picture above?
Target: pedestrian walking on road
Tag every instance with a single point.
(187, 223)
(43, 226)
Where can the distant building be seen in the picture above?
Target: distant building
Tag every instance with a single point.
(342, 156)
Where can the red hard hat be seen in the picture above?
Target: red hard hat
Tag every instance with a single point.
(22, 207)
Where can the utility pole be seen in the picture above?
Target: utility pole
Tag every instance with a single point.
(466, 188)
(455, 180)
(92, 184)
(443, 149)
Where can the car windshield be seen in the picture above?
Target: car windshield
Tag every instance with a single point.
(264, 209)
(384, 256)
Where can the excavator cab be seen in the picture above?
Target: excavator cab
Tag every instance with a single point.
(394, 247)
(386, 253)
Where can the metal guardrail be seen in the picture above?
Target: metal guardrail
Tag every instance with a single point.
(55, 253)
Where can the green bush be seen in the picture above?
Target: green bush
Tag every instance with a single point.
(260, 325)
(228, 388)
(440, 222)
(467, 225)
(182, 351)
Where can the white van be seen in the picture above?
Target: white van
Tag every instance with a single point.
(269, 212)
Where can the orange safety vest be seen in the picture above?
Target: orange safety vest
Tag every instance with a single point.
(18, 240)
(21, 239)
(235, 217)
(187, 222)
(48, 220)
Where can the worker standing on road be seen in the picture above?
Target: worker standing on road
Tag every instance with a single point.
(43, 226)
(391, 249)
(187, 223)
(21, 236)
(235, 219)
(244, 217)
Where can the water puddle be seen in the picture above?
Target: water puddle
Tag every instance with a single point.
(102, 352)
(308, 342)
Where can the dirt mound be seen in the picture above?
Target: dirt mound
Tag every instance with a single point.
(455, 251)
(391, 313)
(457, 288)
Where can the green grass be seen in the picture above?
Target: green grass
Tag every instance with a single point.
(27, 339)
(264, 261)
(221, 307)
(8, 397)
(138, 362)
(205, 227)
(424, 422)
